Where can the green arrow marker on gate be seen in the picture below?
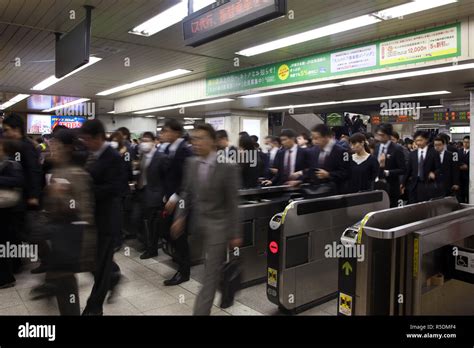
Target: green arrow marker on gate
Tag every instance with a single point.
(347, 268)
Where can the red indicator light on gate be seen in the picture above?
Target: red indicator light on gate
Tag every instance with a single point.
(273, 247)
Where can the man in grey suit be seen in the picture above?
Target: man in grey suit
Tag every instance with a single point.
(210, 191)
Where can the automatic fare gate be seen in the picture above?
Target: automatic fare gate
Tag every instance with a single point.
(419, 260)
(300, 272)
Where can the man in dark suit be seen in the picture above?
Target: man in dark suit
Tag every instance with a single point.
(105, 167)
(423, 168)
(291, 161)
(177, 151)
(448, 177)
(464, 155)
(330, 163)
(210, 189)
(391, 160)
(153, 167)
(223, 145)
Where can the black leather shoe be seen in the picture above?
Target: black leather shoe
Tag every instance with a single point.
(177, 279)
(226, 303)
(40, 269)
(7, 285)
(147, 255)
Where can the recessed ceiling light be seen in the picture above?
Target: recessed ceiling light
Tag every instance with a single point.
(146, 81)
(16, 99)
(53, 80)
(354, 101)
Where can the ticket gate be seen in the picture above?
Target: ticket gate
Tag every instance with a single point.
(303, 247)
(419, 260)
(256, 208)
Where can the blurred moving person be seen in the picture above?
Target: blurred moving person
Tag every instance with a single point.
(391, 161)
(223, 144)
(210, 189)
(104, 165)
(423, 167)
(177, 151)
(14, 128)
(364, 168)
(303, 140)
(330, 163)
(448, 176)
(464, 160)
(69, 202)
(11, 184)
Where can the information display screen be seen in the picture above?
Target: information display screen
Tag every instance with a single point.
(226, 17)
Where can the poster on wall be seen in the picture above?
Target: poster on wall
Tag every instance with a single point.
(44, 124)
(216, 122)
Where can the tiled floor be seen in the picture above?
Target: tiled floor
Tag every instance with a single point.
(141, 292)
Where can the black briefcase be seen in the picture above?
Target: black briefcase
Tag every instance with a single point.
(230, 282)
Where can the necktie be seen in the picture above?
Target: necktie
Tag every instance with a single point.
(202, 172)
(322, 158)
(288, 163)
(420, 165)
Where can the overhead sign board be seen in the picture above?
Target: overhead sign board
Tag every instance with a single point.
(228, 16)
(433, 44)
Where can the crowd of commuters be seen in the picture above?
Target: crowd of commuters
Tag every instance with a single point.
(79, 194)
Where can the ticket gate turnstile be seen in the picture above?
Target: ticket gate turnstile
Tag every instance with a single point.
(411, 266)
(301, 271)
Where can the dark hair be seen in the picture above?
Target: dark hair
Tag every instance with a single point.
(322, 129)
(423, 134)
(305, 137)
(119, 136)
(125, 131)
(254, 138)
(396, 135)
(467, 137)
(66, 136)
(222, 134)
(10, 147)
(440, 138)
(446, 137)
(15, 121)
(58, 128)
(369, 135)
(93, 128)
(174, 125)
(360, 138)
(275, 140)
(206, 127)
(243, 133)
(148, 135)
(385, 128)
(289, 133)
(246, 142)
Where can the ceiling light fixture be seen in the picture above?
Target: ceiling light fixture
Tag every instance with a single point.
(354, 101)
(204, 102)
(354, 23)
(146, 81)
(163, 20)
(53, 80)
(16, 99)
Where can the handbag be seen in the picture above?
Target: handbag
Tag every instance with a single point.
(230, 282)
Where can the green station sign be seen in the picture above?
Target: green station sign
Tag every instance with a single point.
(433, 44)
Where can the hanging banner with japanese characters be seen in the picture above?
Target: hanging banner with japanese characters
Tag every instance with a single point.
(439, 43)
